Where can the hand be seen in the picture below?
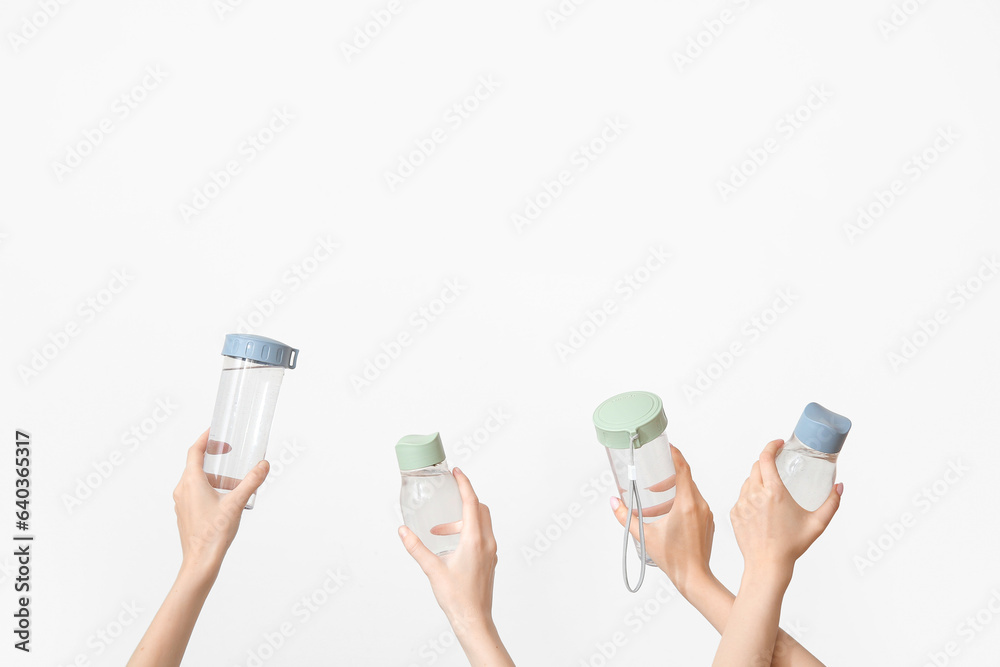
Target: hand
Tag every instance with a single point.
(206, 519)
(771, 529)
(463, 581)
(207, 522)
(680, 543)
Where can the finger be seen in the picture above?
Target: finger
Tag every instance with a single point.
(685, 482)
(655, 510)
(218, 447)
(485, 520)
(470, 501)
(427, 561)
(451, 528)
(663, 485)
(768, 467)
(241, 494)
(486, 528)
(221, 482)
(824, 513)
(622, 514)
(755, 477)
(196, 453)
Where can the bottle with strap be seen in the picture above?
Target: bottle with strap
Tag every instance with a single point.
(633, 429)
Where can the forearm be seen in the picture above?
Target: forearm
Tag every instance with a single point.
(711, 598)
(165, 641)
(482, 645)
(752, 628)
(715, 602)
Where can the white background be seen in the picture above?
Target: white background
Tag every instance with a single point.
(333, 505)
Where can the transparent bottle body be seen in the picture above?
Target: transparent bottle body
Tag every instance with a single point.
(654, 468)
(241, 422)
(808, 474)
(429, 497)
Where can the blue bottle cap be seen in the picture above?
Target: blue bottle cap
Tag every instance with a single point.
(821, 429)
(262, 350)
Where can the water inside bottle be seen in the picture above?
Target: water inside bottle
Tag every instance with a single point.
(654, 477)
(430, 499)
(241, 423)
(807, 474)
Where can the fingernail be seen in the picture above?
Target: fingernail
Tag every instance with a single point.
(403, 531)
(458, 470)
(615, 503)
(840, 489)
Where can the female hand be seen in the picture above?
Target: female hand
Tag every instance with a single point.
(207, 523)
(463, 581)
(206, 519)
(771, 529)
(680, 542)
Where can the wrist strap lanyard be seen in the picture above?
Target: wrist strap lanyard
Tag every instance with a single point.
(633, 495)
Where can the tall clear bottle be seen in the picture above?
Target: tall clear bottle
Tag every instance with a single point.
(807, 463)
(252, 368)
(429, 496)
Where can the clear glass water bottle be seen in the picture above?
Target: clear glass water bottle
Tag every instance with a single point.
(252, 368)
(807, 463)
(429, 495)
(633, 428)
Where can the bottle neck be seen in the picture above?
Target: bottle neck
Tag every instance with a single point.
(239, 363)
(436, 469)
(796, 445)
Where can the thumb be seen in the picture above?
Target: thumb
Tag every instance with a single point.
(246, 488)
(622, 514)
(427, 561)
(824, 513)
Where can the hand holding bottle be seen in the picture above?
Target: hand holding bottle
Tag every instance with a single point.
(207, 522)
(680, 543)
(463, 580)
(772, 530)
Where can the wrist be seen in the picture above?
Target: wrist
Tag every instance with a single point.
(472, 626)
(768, 574)
(200, 573)
(692, 582)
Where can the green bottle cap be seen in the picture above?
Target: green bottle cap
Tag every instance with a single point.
(634, 412)
(419, 451)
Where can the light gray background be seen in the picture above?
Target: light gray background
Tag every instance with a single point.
(332, 505)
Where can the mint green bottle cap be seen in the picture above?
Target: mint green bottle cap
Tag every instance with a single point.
(634, 412)
(419, 451)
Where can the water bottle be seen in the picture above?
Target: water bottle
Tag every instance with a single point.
(633, 428)
(429, 495)
(252, 368)
(807, 463)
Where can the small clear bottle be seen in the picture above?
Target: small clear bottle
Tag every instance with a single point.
(429, 495)
(807, 463)
(252, 368)
(638, 416)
